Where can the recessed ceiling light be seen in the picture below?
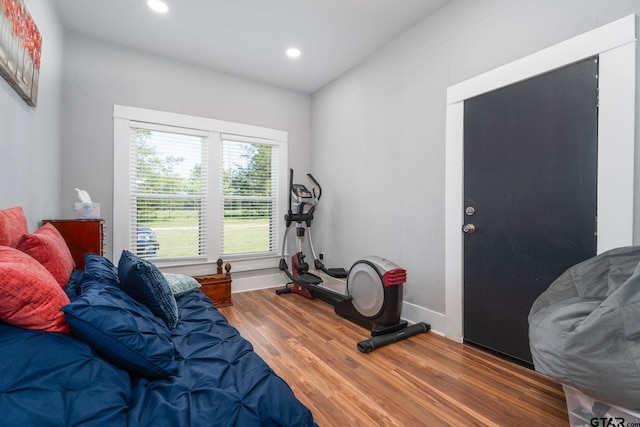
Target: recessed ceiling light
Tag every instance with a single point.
(293, 52)
(158, 6)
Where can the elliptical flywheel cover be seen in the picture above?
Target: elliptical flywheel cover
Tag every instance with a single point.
(366, 287)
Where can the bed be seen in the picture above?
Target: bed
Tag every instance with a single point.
(121, 344)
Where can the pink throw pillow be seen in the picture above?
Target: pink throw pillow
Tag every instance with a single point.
(30, 297)
(13, 224)
(48, 247)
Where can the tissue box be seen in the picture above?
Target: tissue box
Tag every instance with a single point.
(86, 210)
(587, 411)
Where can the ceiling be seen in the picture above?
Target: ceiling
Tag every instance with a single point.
(249, 38)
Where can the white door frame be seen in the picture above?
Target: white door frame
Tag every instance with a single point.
(615, 43)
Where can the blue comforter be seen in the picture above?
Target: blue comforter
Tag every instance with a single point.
(50, 379)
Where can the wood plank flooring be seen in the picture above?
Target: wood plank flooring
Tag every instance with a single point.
(426, 380)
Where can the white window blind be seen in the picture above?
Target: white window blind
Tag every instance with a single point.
(249, 194)
(168, 197)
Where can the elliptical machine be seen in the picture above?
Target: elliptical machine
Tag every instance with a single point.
(374, 285)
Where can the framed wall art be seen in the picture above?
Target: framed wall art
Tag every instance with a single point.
(20, 48)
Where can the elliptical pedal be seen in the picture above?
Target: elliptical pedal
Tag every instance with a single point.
(309, 278)
(339, 273)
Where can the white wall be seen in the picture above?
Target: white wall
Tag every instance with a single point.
(379, 131)
(30, 139)
(99, 75)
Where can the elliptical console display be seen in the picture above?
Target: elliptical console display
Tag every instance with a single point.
(374, 286)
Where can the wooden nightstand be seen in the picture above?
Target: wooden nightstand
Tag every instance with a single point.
(217, 286)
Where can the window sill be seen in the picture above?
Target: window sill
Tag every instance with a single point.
(200, 267)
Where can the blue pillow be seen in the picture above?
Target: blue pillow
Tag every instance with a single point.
(99, 268)
(143, 281)
(121, 330)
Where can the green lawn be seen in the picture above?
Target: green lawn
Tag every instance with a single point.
(246, 235)
(178, 236)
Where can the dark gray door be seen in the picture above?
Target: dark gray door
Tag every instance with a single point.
(530, 174)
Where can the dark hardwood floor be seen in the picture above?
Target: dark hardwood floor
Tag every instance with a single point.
(426, 380)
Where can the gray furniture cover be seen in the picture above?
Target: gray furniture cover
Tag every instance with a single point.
(584, 330)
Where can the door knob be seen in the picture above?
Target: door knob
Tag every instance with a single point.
(469, 228)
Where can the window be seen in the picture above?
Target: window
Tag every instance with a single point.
(168, 194)
(188, 190)
(249, 197)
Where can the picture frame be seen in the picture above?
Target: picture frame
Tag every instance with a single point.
(20, 49)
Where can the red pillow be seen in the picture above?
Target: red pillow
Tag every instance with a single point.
(48, 247)
(29, 295)
(13, 224)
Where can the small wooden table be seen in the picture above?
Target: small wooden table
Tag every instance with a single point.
(217, 286)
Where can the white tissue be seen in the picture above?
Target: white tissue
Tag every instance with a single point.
(83, 196)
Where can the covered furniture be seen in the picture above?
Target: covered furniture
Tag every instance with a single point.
(584, 330)
(120, 345)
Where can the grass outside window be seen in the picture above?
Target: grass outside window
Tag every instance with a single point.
(177, 234)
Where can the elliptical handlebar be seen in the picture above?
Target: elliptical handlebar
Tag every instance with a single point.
(317, 184)
(290, 189)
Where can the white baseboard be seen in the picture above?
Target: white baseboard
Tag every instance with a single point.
(415, 313)
(244, 283)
